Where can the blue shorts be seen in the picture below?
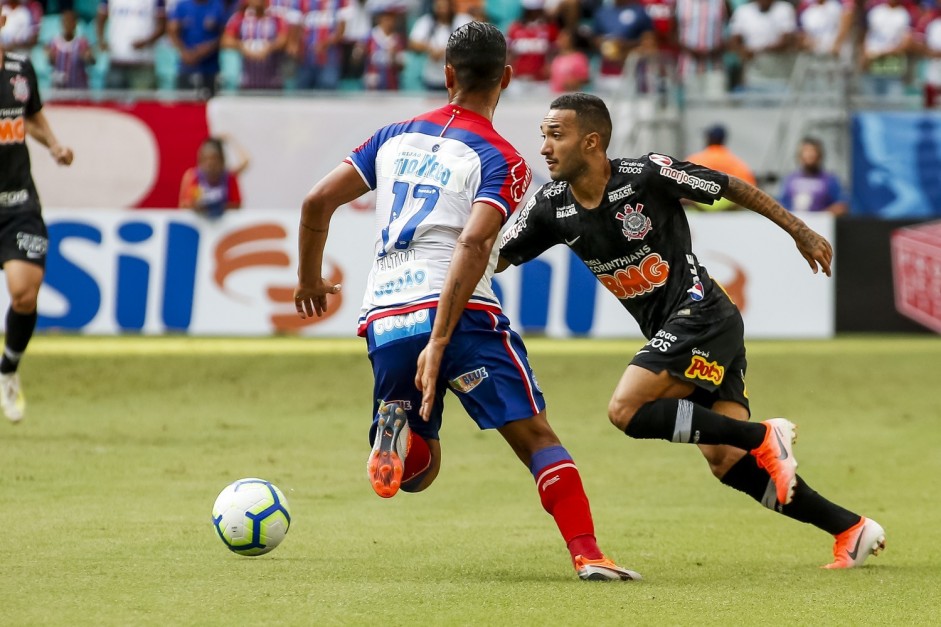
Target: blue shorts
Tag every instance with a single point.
(485, 365)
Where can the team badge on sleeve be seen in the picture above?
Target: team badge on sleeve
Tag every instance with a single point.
(20, 88)
(634, 224)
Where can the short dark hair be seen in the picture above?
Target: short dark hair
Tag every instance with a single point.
(813, 141)
(591, 113)
(477, 52)
(216, 144)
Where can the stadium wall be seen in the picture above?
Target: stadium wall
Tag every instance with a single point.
(155, 272)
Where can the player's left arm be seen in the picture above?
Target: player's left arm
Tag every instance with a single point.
(468, 264)
(38, 128)
(812, 246)
(344, 184)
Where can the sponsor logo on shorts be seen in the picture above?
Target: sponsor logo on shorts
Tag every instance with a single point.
(634, 224)
(34, 246)
(699, 368)
(17, 197)
(662, 341)
(403, 325)
(406, 405)
(648, 275)
(469, 380)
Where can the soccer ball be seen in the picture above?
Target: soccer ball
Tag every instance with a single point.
(251, 516)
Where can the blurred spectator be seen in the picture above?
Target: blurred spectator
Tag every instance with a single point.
(195, 29)
(210, 188)
(700, 26)
(619, 29)
(810, 188)
(718, 157)
(570, 69)
(134, 26)
(928, 34)
(429, 36)
(321, 58)
(357, 26)
(529, 41)
(820, 23)
(385, 53)
(22, 28)
(764, 34)
(68, 56)
(662, 14)
(885, 48)
(290, 13)
(259, 37)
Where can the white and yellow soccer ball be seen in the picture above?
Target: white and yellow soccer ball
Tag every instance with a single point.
(251, 516)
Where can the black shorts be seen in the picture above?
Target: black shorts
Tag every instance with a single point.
(23, 237)
(707, 353)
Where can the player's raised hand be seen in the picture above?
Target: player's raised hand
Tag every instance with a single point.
(815, 249)
(426, 375)
(312, 299)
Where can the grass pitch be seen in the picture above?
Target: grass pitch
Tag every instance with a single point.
(106, 490)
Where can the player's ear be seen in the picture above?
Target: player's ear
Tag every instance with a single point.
(449, 76)
(507, 76)
(591, 141)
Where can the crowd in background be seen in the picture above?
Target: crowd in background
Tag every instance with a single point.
(711, 47)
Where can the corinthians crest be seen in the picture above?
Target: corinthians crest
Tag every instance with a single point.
(634, 224)
(20, 88)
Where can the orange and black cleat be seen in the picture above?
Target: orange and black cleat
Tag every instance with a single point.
(775, 454)
(386, 461)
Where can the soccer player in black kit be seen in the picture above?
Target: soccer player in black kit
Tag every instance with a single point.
(23, 239)
(624, 220)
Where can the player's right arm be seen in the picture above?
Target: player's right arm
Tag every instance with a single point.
(344, 184)
(812, 246)
(530, 235)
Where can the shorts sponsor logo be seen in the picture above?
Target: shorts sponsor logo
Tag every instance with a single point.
(10, 199)
(621, 192)
(20, 88)
(685, 178)
(406, 405)
(564, 212)
(661, 160)
(469, 380)
(662, 341)
(634, 224)
(699, 368)
(34, 246)
(649, 274)
(403, 325)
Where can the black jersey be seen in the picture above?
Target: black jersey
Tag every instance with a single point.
(637, 242)
(19, 99)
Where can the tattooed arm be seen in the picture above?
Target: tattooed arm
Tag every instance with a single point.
(468, 264)
(812, 246)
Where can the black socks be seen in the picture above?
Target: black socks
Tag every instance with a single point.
(679, 420)
(19, 330)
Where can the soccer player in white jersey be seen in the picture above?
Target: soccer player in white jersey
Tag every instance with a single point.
(445, 184)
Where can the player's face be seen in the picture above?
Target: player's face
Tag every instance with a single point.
(562, 144)
(210, 162)
(810, 157)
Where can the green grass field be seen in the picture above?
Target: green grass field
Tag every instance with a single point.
(106, 490)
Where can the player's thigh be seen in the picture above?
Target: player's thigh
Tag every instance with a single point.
(394, 343)
(487, 368)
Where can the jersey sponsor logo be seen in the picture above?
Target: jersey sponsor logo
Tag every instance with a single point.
(697, 292)
(20, 88)
(596, 265)
(397, 327)
(648, 275)
(34, 246)
(17, 197)
(520, 223)
(403, 281)
(634, 224)
(684, 178)
(13, 131)
(554, 189)
(466, 382)
(520, 178)
(699, 368)
(421, 166)
(566, 211)
(621, 192)
(630, 167)
(661, 160)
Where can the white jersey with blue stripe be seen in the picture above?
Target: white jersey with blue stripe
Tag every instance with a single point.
(428, 172)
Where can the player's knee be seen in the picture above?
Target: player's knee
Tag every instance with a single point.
(620, 413)
(23, 300)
